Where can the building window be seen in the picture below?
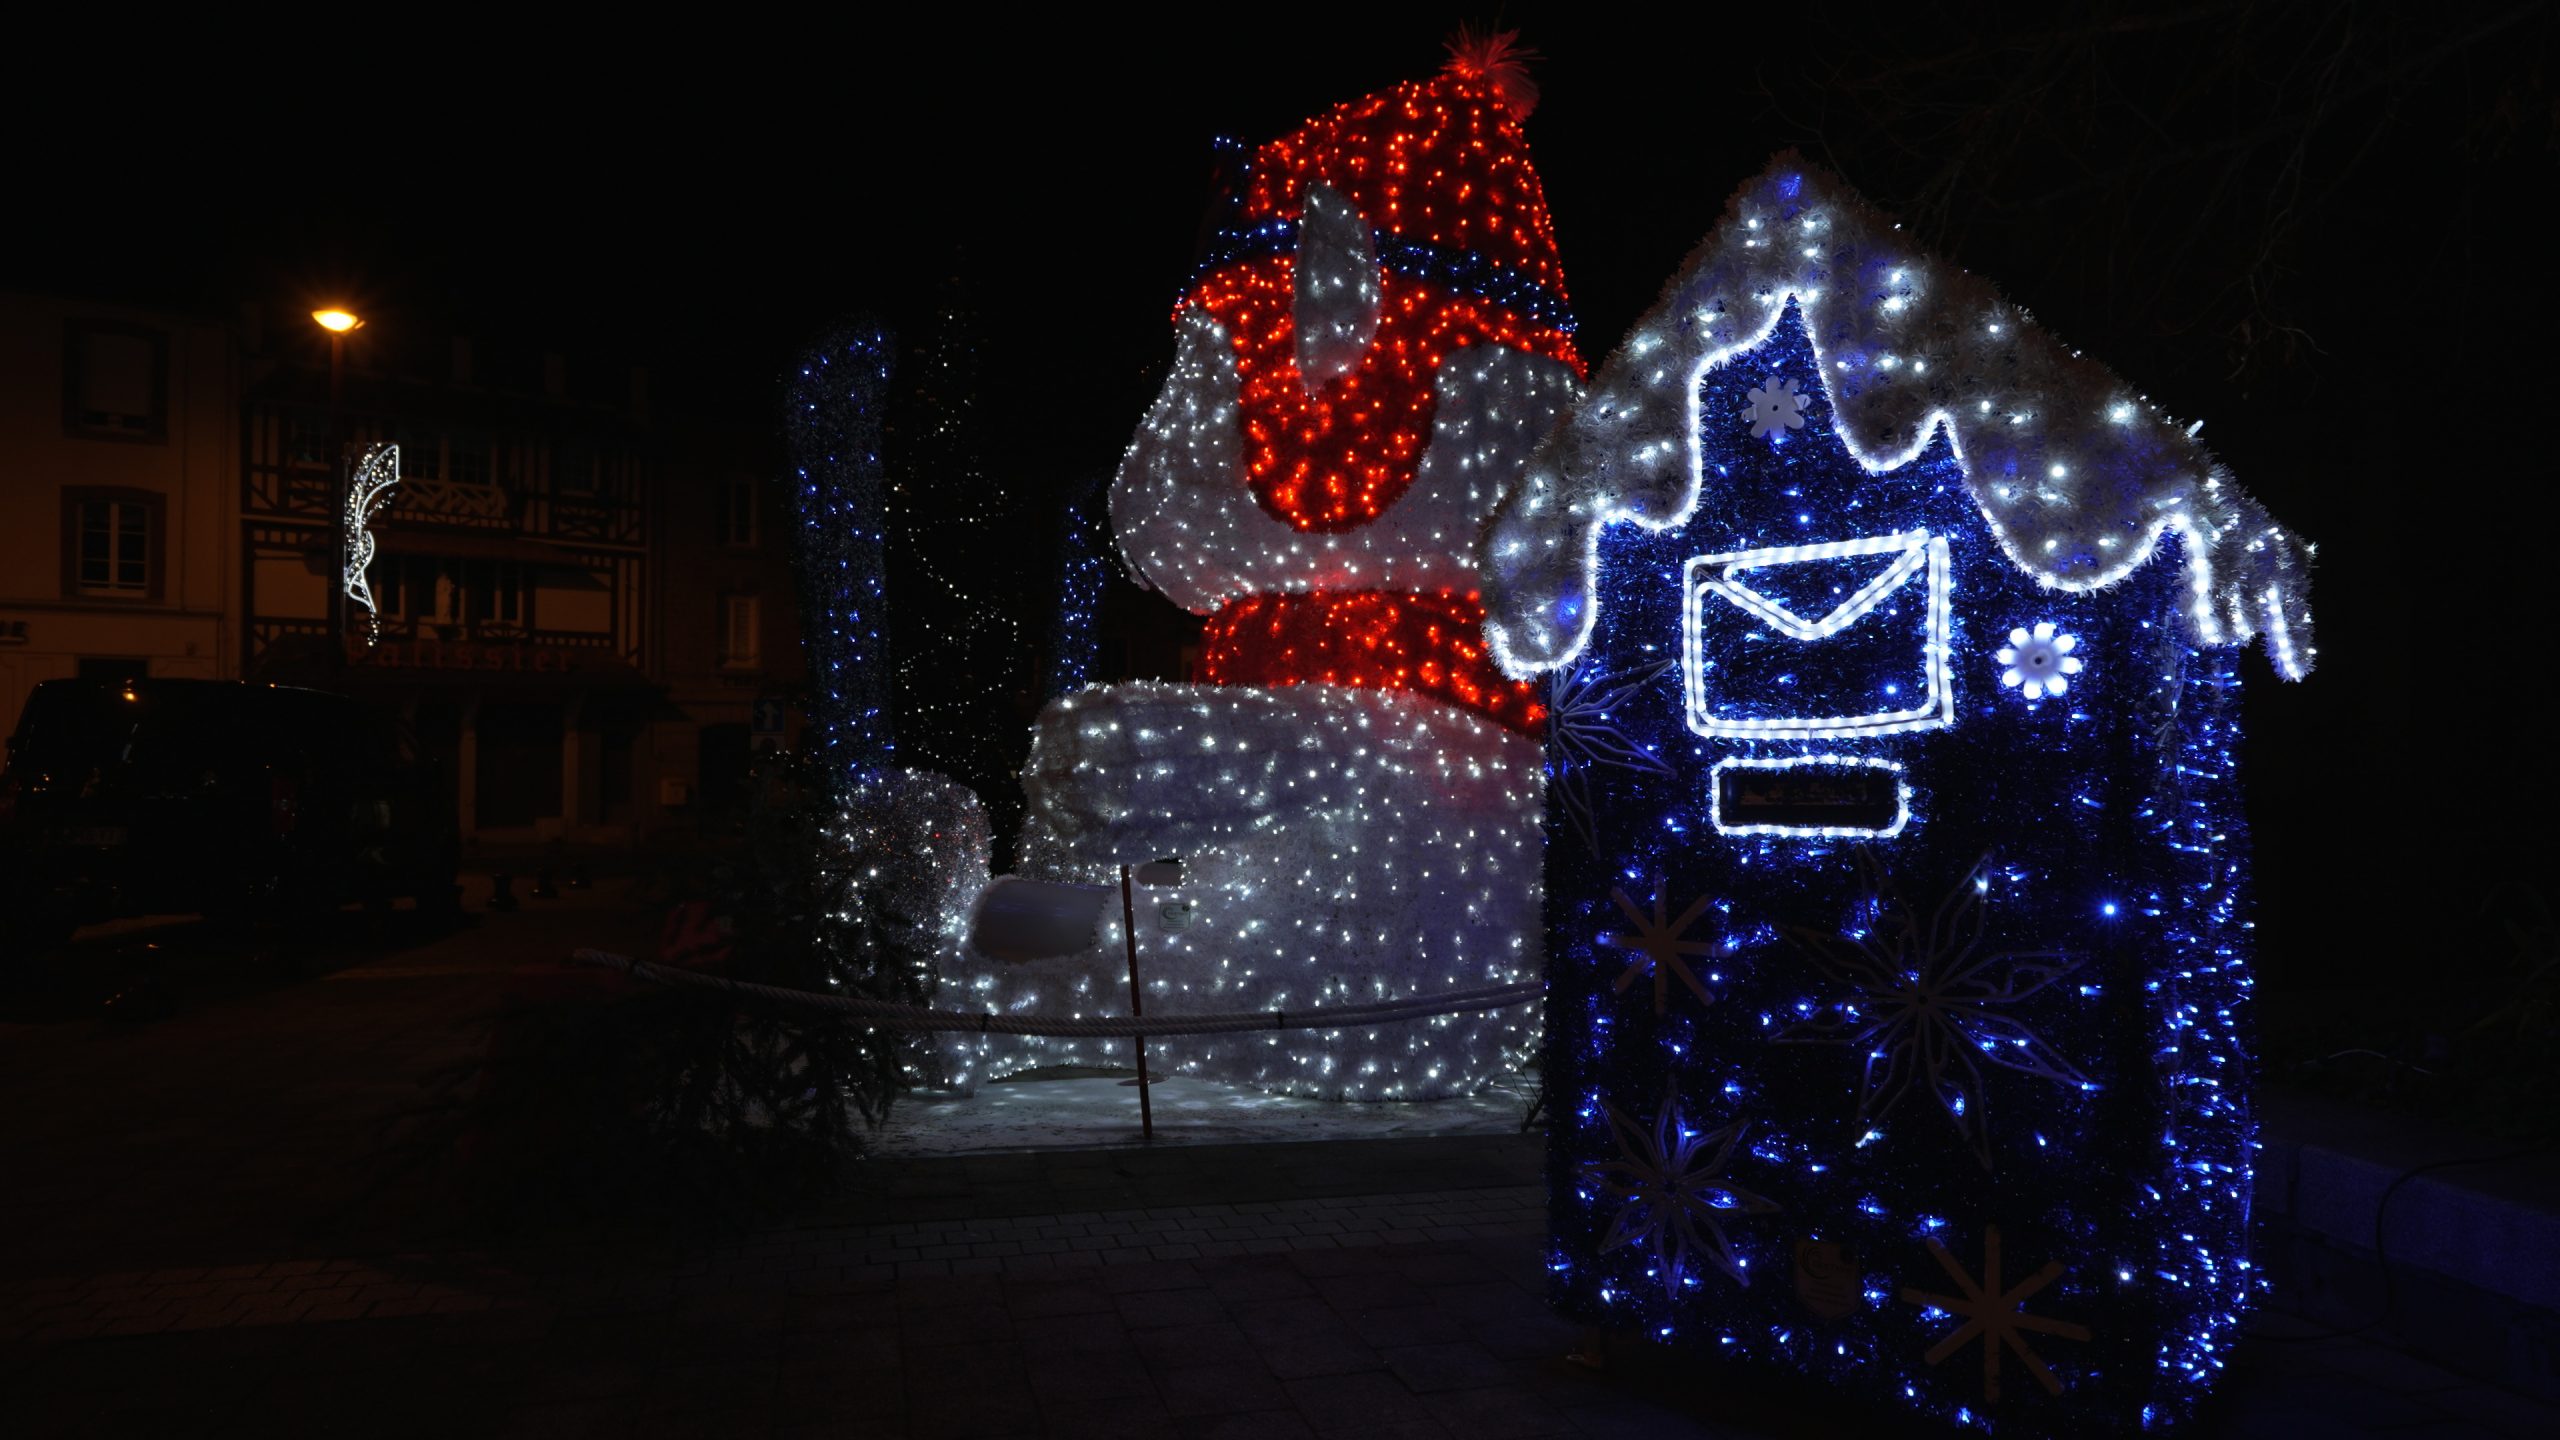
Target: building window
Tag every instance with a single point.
(306, 442)
(430, 590)
(390, 580)
(421, 455)
(573, 471)
(469, 458)
(111, 543)
(738, 632)
(497, 593)
(115, 381)
(738, 511)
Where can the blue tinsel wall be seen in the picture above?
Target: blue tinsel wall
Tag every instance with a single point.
(1787, 1128)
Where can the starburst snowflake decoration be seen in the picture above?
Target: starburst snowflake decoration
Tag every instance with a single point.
(1660, 948)
(1776, 408)
(1927, 1008)
(1996, 1317)
(1583, 733)
(1675, 1197)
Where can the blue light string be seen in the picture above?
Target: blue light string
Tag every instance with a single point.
(834, 401)
(1461, 272)
(1084, 572)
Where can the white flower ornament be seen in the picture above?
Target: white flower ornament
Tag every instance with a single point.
(2037, 663)
(1776, 407)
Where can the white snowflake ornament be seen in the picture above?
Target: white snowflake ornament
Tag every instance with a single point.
(1775, 407)
(2039, 663)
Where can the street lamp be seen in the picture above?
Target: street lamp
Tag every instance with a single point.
(337, 322)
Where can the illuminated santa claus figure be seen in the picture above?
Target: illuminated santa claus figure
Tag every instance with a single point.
(1376, 342)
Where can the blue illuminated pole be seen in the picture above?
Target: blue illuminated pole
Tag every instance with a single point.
(1083, 573)
(836, 396)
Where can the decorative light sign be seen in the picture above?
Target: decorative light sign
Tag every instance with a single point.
(368, 492)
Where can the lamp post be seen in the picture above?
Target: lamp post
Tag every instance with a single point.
(338, 323)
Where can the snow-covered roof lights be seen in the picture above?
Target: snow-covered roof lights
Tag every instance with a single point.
(2104, 476)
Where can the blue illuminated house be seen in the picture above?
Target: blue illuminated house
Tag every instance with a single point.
(1897, 877)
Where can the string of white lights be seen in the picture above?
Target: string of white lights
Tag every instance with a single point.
(368, 491)
(1339, 846)
(1188, 526)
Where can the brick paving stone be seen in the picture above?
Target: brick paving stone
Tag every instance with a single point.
(1259, 1425)
(1219, 1389)
(1094, 1375)
(1506, 1412)
(1367, 1286)
(1436, 1267)
(1323, 1263)
(1257, 1280)
(1283, 1316)
(1532, 1337)
(967, 1414)
(1405, 1325)
(1365, 1403)
(1157, 1275)
(1454, 1365)
(956, 1325)
(1116, 1419)
(1072, 1335)
(1146, 1309)
(1183, 1347)
(1057, 1297)
(1298, 1357)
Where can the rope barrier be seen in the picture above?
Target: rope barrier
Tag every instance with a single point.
(890, 1015)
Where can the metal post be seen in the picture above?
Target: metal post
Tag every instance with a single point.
(1137, 1007)
(339, 479)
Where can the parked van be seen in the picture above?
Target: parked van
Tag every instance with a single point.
(231, 800)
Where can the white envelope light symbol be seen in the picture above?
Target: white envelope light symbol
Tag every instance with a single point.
(1718, 594)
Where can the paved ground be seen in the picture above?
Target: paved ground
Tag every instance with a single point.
(206, 1231)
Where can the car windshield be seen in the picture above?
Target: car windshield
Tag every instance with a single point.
(67, 728)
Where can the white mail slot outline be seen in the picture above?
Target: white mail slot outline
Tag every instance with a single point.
(1919, 551)
(1901, 788)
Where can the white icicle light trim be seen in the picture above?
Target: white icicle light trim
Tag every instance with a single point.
(2077, 478)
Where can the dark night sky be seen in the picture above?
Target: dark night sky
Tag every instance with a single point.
(2308, 223)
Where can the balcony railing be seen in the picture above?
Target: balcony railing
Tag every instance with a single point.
(453, 502)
